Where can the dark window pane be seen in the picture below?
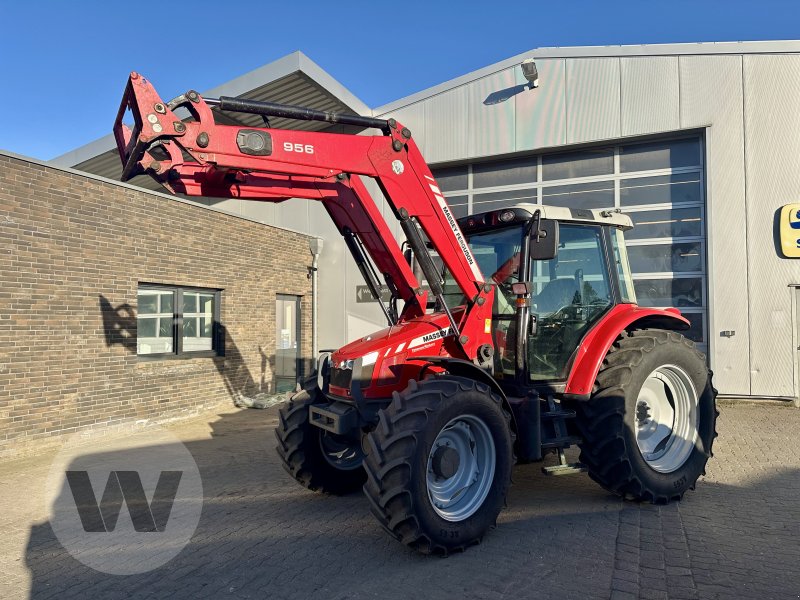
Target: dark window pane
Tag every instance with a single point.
(660, 155)
(662, 258)
(674, 222)
(507, 172)
(165, 327)
(662, 189)
(696, 329)
(458, 205)
(459, 210)
(586, 163)
(189, 302)
(146, 328)
(451, 178)
(494, 200)
(148, 303)
(669, 292)
(190, 327)
(166, 302)
(580, 195)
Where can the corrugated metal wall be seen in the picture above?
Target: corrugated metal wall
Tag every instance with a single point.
(748, 106)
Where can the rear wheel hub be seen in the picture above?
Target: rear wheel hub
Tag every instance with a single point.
(666, 418)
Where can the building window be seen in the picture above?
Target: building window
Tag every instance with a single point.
(176, 321)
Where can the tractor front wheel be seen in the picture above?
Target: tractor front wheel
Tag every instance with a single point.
(317, 459)
(439, 464)
(650, 423)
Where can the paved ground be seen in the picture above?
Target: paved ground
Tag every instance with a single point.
(262, 536)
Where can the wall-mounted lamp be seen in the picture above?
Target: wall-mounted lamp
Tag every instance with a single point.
(530, 72)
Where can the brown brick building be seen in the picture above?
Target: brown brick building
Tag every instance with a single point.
(86, 264)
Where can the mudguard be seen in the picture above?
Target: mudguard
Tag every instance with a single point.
(594, 347)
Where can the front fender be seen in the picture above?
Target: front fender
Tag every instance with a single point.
(595, 345)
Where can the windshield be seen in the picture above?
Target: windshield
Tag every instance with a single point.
(498, 255)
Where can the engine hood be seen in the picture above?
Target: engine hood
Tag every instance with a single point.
(416, 336)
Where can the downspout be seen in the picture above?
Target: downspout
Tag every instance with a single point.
(315, 245)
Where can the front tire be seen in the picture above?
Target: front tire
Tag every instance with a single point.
(316, 459)
(439, 464)
(649, 426)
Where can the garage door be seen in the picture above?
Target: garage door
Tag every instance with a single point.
(660, 184)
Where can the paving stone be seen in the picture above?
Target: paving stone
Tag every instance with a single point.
(262, 535)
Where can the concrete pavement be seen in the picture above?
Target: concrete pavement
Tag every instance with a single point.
(262, 536)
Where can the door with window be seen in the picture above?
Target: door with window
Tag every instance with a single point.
(287, 342)
(570, 293)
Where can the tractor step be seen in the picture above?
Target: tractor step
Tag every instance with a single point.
(558, 414)
(563, 467)
(555, 433)
(567, 469)
(562, 442)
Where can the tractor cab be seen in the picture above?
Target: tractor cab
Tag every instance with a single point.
(553, 287)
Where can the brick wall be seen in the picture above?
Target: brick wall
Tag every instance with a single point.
(72, 252)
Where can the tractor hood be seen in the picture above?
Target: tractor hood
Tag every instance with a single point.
(380, 362)
(422, 336)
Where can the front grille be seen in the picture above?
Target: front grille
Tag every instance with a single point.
(341, 377)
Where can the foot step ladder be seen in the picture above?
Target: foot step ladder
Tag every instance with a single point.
(556, 416)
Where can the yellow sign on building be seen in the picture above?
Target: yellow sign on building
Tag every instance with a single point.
(790, 230)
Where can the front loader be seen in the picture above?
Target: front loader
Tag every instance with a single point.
(511, 334)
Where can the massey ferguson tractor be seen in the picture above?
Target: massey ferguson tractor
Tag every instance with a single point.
(511, 334)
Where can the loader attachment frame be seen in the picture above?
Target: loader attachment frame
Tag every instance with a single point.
(198, 157)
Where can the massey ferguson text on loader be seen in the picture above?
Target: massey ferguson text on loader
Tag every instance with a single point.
(525, 340)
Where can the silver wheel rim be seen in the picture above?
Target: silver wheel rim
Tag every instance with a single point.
(460, 468)
(667, 418)
(340, 452)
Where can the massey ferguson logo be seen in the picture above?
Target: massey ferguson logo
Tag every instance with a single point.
(462, 243)
(434, 336)
(431, 337)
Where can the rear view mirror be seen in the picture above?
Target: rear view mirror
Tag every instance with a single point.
(544, 239)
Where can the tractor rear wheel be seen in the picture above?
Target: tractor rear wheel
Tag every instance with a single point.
(317, 459)
(439, 464)
(650, 423)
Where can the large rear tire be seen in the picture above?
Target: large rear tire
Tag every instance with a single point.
(649, 426)
(439, 464)
(316, 459)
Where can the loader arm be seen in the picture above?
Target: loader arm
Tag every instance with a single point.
(201, 158)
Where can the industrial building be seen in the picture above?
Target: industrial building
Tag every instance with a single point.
(699, 143)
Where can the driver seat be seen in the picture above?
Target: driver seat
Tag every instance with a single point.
(556, 294)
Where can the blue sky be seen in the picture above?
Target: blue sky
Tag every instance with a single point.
(63, 65)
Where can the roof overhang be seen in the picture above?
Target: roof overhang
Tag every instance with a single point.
(294, 79)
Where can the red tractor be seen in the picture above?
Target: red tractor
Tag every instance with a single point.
(525, 340)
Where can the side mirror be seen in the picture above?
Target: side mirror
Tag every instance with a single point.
(544, 239)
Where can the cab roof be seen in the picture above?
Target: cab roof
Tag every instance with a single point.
(604, 216)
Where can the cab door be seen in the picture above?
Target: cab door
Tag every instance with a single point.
(570, 293)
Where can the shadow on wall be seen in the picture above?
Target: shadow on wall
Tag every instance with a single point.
(119, 328)
(506, 94)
